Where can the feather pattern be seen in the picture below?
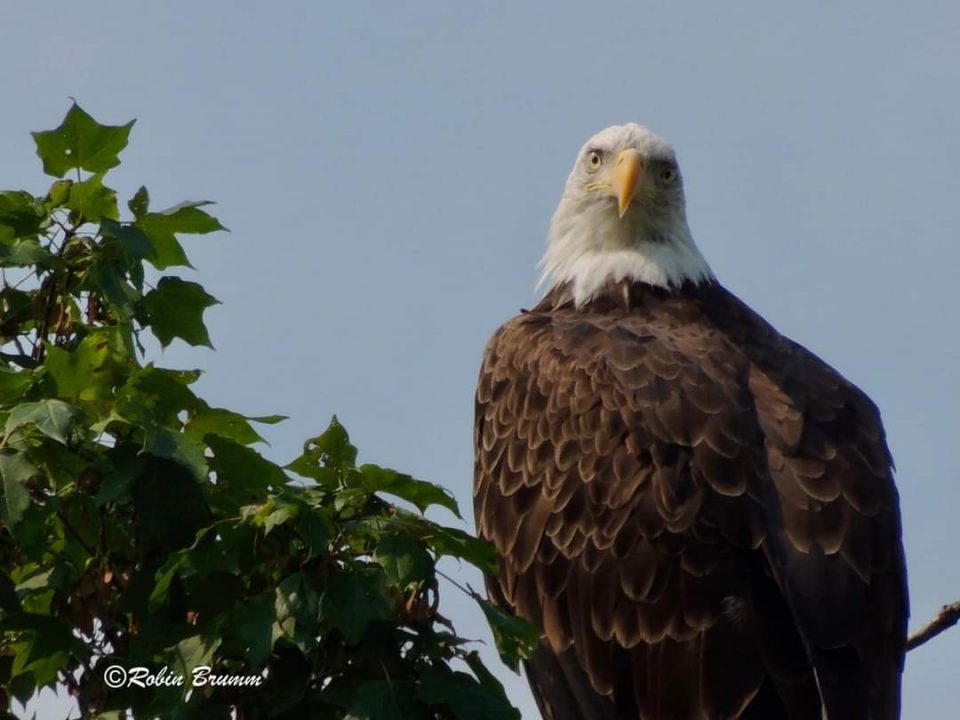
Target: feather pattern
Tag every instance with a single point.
(698, 512)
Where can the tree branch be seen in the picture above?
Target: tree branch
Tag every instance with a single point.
(948, 616)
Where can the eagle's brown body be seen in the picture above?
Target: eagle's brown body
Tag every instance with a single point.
(699, 513)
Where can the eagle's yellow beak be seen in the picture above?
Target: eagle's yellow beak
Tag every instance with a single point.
(623, 177)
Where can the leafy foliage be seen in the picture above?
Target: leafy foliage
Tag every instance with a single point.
(139, 526)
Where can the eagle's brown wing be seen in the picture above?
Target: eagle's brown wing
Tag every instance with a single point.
(695, 511)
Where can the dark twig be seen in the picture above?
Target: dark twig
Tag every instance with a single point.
(948, 616)
(77, 536)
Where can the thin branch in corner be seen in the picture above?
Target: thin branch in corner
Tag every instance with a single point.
(948, 616)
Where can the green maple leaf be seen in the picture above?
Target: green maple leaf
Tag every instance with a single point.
(92, 200)
(162, 228)
(92, 370)
(20, 215)
(54, 418)
(352, 601)
(15, 471)
(176, 311)
(140, 202)
(81, 142)
(403, 559)
(516, 639)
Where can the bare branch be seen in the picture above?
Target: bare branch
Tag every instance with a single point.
(948, 616)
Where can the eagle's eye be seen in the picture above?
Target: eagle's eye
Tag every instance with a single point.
(594, 160)
(668, 176)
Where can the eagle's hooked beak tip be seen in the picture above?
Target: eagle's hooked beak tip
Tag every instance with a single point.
(625, 174)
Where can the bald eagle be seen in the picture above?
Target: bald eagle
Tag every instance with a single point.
(698, 512)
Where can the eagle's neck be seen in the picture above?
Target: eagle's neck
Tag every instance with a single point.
(629, 296)
(590, 247)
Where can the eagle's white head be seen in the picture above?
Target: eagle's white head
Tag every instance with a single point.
(622, 217)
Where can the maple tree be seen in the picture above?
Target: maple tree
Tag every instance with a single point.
(141, 526)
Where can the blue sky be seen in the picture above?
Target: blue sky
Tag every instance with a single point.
(388, 174)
